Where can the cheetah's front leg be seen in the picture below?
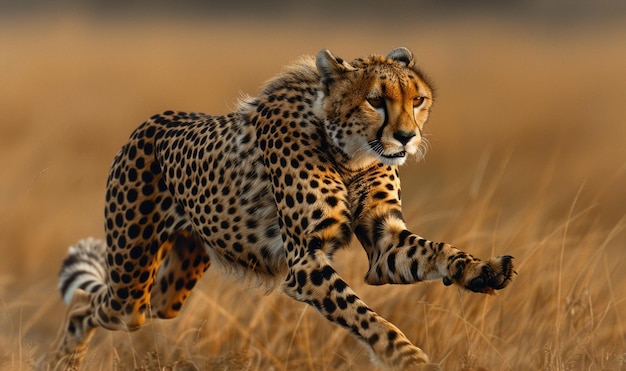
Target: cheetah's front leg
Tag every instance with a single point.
(397, 255)
(410, 258)
(314, 281)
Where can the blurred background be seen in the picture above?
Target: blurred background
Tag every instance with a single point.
(527, 137)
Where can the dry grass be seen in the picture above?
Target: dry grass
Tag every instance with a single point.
(528, 159)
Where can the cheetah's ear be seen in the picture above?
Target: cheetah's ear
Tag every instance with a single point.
(402, 55)
(330, 67)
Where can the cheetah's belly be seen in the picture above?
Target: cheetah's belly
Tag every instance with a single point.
(233, 210)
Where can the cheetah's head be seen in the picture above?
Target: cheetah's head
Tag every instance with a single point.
(375, 107)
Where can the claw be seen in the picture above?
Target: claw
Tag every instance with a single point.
(507, 271)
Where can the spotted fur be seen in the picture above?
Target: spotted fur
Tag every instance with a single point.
(271, 190)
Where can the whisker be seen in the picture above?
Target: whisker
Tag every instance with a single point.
(422, 148)
(363, 148)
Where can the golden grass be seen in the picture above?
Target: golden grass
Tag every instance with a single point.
(527, 159)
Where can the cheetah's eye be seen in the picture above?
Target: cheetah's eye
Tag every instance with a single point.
(376, 102)
(417, 101)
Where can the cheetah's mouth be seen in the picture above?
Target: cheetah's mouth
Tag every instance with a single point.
(394, 155)
(378, 147)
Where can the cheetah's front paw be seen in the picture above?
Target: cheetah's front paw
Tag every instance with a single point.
(483, 276)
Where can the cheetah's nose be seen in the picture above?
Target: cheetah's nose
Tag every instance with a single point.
(403, 136)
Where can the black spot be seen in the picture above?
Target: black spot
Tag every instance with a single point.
(265, 252)
(190, 284)
(166, 203)
(414, 270)
(121, 242)
(136, 252)
(143, 278)
(403, 236)
(147, 190)
(273, 158)
(289, 201)
(380, 195)
(342, 303)
(148, 148)
(287, 220)
(340, 285)
(115, 277)
(136, 294)
(314, 244)
(150, 132)
(133, 231)
(326, 223)
(119, 220)
(328, 305)
(102, 315)
(122, 293)
(373, 339)
(332, 201)
(146, 207)
(132, 152)
(288, 180)
(327, 272)
(147, 232)
(147, 177)
(301, 278)
(317, 214)
(310, 198)
(391, 262)
(179, 284)
(119, 259)
(317, 278)
(271, 232)
(129, 267)
(131, 196)
(140, 163)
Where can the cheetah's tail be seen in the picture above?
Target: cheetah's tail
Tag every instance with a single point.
(84, 268)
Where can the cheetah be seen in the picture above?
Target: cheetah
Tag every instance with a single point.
(271, 190)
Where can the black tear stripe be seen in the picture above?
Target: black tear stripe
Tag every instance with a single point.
(379, 133)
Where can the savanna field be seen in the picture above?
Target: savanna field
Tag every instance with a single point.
(527, 158)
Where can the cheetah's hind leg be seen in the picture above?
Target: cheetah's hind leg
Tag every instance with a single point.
(183, 262)
(70, 346)
(82, 275)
